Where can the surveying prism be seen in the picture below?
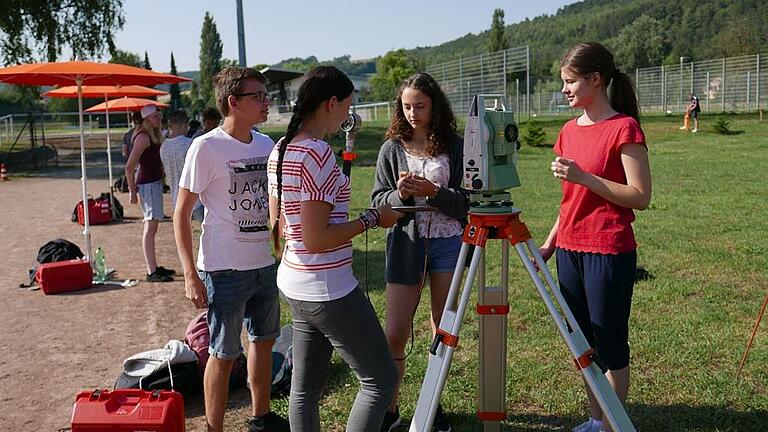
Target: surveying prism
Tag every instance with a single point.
(351, 125)
(490, 156)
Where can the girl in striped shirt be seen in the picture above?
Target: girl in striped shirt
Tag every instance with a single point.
(309, 203)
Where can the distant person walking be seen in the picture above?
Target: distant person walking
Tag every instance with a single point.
(602, 162)
(692, 111)
(147, 184)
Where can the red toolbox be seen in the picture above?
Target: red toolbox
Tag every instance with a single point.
(99, 212)
(128, 410)
(64, 276)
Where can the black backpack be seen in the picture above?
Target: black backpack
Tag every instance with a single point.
(55, 251)
(186, 380)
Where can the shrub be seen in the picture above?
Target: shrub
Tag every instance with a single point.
(721, 127)
(534, 134)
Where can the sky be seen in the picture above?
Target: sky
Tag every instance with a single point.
(277, 30)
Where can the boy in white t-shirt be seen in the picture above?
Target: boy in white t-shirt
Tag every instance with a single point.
(227, 169)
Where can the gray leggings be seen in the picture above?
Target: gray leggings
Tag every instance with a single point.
(349, 325)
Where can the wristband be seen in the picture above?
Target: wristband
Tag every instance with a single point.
(369, 218)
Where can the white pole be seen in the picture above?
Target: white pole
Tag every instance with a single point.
(109, 162)
(84, 177)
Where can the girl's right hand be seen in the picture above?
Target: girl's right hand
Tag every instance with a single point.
(387, 216)
(546, 252)
(403, 185)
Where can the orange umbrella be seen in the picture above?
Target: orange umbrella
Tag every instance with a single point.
(125, 104)
(105, 91)
(80, 73)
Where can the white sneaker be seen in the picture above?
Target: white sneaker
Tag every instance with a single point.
(587, 426)
(683, 128)
(694, 131)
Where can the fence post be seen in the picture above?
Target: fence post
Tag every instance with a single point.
(757, 89)
(708, 91)
(722, 85)
(749, 84)
(482, 77)
(637, 83)
(663, 91)
(461, 84)
(692, 71)
(517, 96)
(504, 71)
(13, 131)
(389, 115)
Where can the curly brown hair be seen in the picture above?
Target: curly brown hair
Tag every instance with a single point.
(442, 128)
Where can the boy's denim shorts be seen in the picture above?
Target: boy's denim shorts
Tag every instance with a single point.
(235, 298)
(151, 197)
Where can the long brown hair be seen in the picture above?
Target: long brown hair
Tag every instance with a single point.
(442, 128)
(591, 57)
(320, 84)
(154, 133)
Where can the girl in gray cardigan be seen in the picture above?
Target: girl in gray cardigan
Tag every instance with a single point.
(420, 164)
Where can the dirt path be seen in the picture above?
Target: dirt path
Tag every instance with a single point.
(55, 346)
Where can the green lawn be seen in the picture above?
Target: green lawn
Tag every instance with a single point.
(705, 242)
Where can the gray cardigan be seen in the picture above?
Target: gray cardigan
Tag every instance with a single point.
(452, 201)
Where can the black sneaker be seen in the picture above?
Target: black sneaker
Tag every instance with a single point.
(391, 420)
(156, 276)
(269, 422)
(441, 421)
(165, 271)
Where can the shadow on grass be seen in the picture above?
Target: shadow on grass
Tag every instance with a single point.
(668, 418)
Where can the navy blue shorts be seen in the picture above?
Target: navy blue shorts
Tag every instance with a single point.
(598, 289)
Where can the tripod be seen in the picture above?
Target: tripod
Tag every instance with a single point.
(501, 222)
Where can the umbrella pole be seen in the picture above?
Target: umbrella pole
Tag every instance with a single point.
(84, 178)
(109, 165)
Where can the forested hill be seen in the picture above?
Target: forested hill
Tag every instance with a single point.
(640, 32)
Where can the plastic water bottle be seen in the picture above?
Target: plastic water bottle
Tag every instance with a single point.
(100, 265)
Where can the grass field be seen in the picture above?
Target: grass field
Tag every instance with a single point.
(704, 241)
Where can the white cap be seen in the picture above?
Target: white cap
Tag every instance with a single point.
(148, 110)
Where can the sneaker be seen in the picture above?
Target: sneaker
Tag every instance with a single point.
(269, 422)
(165, 271)
(391, 420)
(441, 421)
(587, 426)
(156, 276)
(683, 128)
(694, 131)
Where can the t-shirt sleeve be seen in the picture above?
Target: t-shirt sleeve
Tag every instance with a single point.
(198, 171)
(272, 170)
(558, 148)
(319, 175)
(631, 133)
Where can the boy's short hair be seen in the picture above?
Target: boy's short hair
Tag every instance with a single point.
(229, 82)
(179, 117)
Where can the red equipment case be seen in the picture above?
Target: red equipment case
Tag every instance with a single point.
(99, 212)
(128, 410)
(64, 276)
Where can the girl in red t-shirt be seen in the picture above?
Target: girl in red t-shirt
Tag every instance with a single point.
(602, 161)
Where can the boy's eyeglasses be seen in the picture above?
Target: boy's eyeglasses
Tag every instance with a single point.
(259, 96)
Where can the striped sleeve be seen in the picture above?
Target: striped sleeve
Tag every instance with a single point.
(319, 175)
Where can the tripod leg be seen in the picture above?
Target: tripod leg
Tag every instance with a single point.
(441, 352)
(584, 356)
(492, 309)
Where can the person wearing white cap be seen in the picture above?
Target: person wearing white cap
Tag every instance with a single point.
(147, 184)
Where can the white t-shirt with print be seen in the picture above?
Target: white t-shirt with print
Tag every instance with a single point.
(310, 173)
(231, 179)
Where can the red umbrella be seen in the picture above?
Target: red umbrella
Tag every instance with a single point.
(106, 91)
(79, 73)
(125, 104)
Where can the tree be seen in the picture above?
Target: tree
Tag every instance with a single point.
(174, 90)
(46, 26)
(146, 64)
(210, 58)
(740, 37)
(126, 58)
(496, 40)
(392, 69)
(640, 44)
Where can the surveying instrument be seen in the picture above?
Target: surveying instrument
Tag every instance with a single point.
(490, 155)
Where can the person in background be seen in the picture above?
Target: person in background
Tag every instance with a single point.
(194, 126)
(174, 150)
(127, 136)
(227, 169)
(211, 120)
(309, 203)
(602, 163)
(147, 184)
(692, 111)
(420, 164)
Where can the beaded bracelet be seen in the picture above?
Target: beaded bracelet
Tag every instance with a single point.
(369, 218)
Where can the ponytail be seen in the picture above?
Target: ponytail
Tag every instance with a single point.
(623, 96)
(290, 133)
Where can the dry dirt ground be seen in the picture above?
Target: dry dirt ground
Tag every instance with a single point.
(56, 346)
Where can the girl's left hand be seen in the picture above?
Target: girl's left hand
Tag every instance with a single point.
(421, 187)
(568, 170)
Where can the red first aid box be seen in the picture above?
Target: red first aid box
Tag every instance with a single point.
(99, 212)
(64, 276)
(128, 410)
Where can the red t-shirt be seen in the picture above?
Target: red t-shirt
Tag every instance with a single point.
(589, 222)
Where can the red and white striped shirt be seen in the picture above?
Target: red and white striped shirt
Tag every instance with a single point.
(310, 173)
